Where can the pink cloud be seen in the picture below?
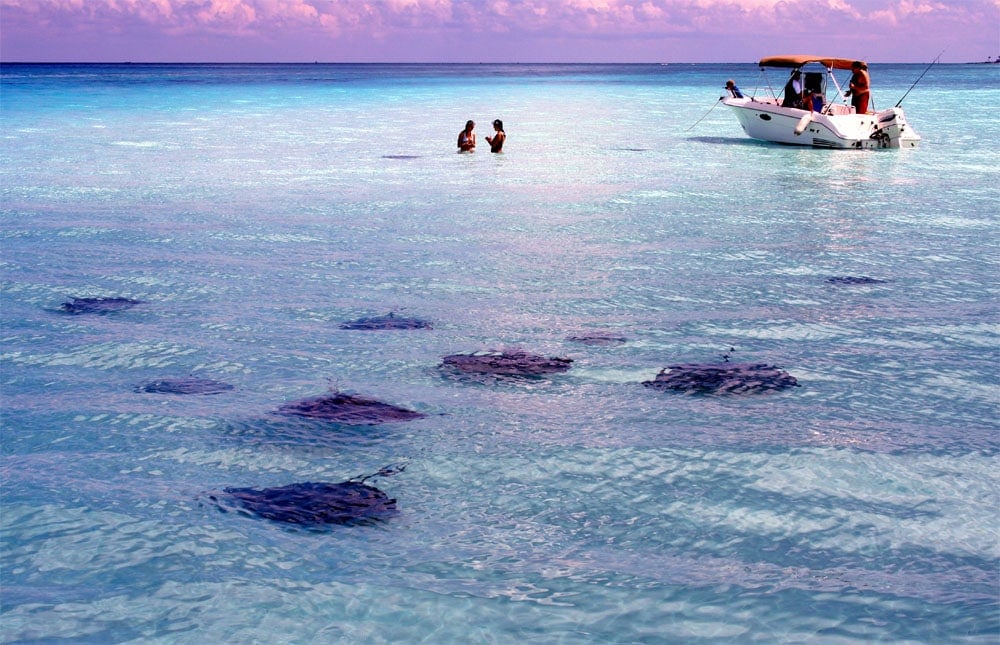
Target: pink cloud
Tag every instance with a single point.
(489, 29)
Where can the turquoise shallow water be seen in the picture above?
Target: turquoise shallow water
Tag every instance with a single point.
(254, 208)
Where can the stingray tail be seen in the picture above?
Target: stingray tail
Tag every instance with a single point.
(385, 471)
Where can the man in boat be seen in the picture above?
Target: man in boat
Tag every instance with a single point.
(733, 90)
(793, 91)
(860, 87)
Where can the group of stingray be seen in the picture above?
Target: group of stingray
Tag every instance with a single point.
(312, 504)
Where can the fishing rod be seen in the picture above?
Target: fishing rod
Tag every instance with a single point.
(920, 77)
(706, 113)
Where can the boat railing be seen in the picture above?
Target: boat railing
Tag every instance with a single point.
(832, 107)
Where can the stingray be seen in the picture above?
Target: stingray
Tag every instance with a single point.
(598, 339)
(389, 321)
(188, 385)
(98, 305)
(722, 378)
(509, 363)
(311, 503)
(315, 503)
(401, 157)
(854, 280)
(348, 409)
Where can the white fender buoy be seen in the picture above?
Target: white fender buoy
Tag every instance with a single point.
(803, 122)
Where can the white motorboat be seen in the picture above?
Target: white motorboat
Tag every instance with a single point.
(818, 122)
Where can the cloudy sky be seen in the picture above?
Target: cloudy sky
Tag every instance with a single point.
(495, 30)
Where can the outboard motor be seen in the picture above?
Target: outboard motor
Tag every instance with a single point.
(889, 128)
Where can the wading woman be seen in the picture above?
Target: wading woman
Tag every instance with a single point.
(467, 137)
(496, 141)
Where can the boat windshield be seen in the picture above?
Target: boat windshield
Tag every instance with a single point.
(815, 75)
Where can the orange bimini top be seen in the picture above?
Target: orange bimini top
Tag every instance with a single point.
(798, 60)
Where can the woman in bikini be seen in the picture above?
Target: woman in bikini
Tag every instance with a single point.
(496, 141)
(467, 137)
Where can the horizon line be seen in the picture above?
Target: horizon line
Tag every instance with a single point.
(317, 62)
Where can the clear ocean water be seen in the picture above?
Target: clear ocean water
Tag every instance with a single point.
(253, 209)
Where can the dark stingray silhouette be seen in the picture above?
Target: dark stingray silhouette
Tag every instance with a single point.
(508, 363)
(722, 378)
(98, 305)
(401, 157)
(315, 504)
(187, 385)
(389, 321)
(854, 280)
(597, 339)
(311, 503)
(348, 409)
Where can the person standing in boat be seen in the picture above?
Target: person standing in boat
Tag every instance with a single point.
(733, 90)
(860, 88)
(793, 91)
(467, 137)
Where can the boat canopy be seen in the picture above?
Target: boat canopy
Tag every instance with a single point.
(798, 60)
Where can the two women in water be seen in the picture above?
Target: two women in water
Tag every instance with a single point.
(467, 137)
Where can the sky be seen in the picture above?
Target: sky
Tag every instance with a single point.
(474, 31)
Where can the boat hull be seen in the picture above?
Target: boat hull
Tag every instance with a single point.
(837, 127)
